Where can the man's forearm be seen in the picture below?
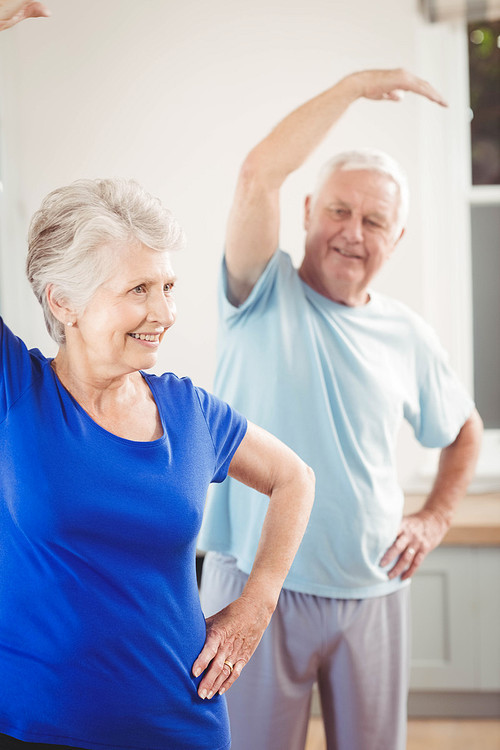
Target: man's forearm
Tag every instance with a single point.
(423, 531)
(456, 468)
(291, 142)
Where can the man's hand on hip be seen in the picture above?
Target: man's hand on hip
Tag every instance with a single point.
(418, 535)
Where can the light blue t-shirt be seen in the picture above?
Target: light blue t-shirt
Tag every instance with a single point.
(334, 383)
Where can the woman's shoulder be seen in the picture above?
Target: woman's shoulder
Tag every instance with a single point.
(15, 353)
(180, 393)
(20, 368)
(171, 390)
(168, 381)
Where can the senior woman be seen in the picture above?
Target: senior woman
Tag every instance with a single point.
(104, 471)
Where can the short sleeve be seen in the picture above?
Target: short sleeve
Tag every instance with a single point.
(18, 366)
(259, 298)
(227, 428)
(443, 404)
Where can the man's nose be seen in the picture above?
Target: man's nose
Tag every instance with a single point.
(353, 229)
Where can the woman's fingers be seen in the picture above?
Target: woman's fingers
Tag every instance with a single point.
(233, 676)
(209, 651)
(232, 636)
(220, 677)
(226, 665)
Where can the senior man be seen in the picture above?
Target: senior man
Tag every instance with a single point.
(332, 368)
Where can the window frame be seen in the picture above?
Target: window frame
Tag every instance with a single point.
(447, 251)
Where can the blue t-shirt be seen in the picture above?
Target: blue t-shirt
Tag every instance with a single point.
(100, 620)
(334, 383)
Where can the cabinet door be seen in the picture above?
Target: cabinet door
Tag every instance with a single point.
(489, 616)
(445, 632)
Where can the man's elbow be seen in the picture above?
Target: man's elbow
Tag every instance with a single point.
(474, 427)
(467, 444)
(259, 172)
(308, 480)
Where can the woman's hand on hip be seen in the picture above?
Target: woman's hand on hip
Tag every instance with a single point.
(233, 634)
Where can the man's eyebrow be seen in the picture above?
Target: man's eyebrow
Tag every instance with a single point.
(338, 202)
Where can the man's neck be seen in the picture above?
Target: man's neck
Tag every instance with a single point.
(335, 290)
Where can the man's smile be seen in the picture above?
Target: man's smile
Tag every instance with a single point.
(347, 253)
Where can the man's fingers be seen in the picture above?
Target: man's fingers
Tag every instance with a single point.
(417, 560)
(390, 85)
(408, 562)
(395, 550)
(425, 89)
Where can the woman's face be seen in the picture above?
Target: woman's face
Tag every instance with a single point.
(121, 328)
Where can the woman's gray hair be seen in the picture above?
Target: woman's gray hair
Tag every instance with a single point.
(72, 236)
(374, 161)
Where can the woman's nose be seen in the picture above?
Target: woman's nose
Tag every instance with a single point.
(162, 310)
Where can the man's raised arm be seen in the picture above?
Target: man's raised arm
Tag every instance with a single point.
(253, 225)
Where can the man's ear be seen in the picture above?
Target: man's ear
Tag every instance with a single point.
(307, 212)
(396, 242)
(400, 237)
(59, 307)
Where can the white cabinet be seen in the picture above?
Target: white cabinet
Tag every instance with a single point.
(455, 599)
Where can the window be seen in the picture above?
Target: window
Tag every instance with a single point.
(461, 210)
(484, 200)
(484, 87)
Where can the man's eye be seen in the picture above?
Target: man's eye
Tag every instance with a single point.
(139, 289)
(168, 288)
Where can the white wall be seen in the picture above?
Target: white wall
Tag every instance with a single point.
(175, 94)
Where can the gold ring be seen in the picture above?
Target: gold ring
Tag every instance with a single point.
(231, 667)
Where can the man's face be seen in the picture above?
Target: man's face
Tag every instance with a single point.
(351, 231)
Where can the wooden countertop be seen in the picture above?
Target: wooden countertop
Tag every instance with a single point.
(476, 521)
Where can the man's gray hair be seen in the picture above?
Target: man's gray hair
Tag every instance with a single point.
(75, 236)
(374, 161)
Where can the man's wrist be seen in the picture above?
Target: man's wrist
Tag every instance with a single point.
(356, 84)
(441, 515)
(351, 87)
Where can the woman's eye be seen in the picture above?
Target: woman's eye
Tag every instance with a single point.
(168, 288)
(139, 289)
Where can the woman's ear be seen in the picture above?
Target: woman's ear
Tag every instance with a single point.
(59, 307)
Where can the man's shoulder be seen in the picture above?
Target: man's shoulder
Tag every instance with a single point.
(392, 306)
(414, 325)
(278, 277)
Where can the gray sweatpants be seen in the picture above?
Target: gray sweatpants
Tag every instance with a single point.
(356, 650)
